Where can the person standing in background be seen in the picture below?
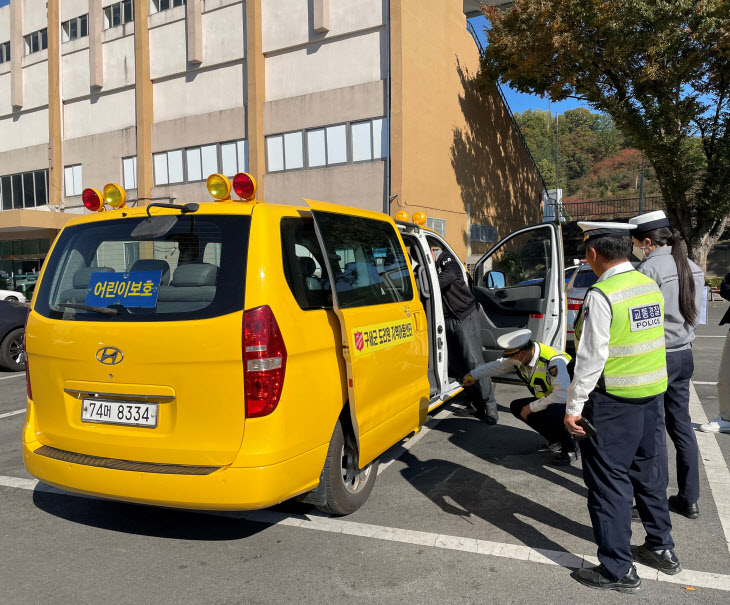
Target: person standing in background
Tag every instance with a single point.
(721, 424)
(681, 283)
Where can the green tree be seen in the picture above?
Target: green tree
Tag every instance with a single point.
(659, 68)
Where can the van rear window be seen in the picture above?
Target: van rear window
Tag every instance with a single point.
(105, 272)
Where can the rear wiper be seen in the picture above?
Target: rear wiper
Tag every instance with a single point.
(104, 310)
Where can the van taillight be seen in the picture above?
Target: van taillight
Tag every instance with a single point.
(264, 361)
(574, 304)
(27, 371)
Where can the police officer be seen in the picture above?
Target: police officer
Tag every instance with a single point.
(681, 283)
(545, 372)
(463, 336)
(619, 380)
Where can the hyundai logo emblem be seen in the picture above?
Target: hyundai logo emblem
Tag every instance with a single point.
(109, 356)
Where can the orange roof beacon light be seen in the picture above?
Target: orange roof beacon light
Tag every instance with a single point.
(401, 215)
(92, 200)
(419, 218)
(115, 196)
(219, 187)
(245, 186)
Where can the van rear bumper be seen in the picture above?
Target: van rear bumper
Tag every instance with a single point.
(226, 489)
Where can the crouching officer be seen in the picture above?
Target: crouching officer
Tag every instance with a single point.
(545, 372)
(619, 381)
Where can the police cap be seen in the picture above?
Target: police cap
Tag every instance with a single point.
(514, 342)
(593, 230)
(649, 221)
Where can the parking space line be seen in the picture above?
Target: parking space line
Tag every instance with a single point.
(15, 413)
(320, 522)
(708, 336)
(718, 475)
(703, 383)
(401, 448)
(13, 376)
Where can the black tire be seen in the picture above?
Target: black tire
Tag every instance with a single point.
(347, 486)
(11, 351)
(12, 299)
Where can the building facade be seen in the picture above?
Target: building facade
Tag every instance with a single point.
(362, 102)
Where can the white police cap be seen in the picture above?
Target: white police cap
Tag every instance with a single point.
(596, 229)
(514, 341)
(650, 221)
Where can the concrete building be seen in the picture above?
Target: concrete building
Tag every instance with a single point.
(362, 102)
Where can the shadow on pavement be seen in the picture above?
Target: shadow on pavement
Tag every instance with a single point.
(145, 520)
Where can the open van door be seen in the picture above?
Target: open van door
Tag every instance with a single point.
(519, 283)
(384, 331)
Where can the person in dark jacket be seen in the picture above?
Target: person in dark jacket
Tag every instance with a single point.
(463, 337)
(721, 424)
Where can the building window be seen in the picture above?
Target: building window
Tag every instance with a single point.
(275, 153)
(118, 13)
(316, 148)
(336, 144)
(198, 163)
(78, 27)
(129, 169)
(4, 52)
(438, 225)
(25, 190)
(157, 6)
(36, 42)
(72, 180)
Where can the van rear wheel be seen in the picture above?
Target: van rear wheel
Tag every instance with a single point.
(347, 485)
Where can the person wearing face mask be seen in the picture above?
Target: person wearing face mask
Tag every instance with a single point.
(681, 283)
(544, 371)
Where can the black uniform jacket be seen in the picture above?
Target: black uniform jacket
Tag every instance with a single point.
(458, 299)
(725, 293)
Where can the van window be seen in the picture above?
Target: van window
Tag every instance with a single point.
(367, 260)
(303, 263)
(194, 271)
(585, 279)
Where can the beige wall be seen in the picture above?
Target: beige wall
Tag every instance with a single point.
(452, 145)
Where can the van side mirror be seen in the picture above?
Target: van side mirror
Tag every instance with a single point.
(494, 280)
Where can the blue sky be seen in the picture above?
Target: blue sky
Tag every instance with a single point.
(518, 101)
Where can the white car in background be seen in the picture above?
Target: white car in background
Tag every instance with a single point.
(12, 296)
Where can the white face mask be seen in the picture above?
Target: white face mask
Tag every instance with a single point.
(639, 253)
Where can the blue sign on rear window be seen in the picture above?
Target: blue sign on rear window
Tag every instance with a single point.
(137, 289)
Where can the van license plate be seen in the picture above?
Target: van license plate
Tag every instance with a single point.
(128, 413)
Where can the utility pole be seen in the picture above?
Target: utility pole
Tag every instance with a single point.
(557, 147)
(641, 187)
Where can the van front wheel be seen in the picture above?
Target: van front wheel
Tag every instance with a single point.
(347, 485)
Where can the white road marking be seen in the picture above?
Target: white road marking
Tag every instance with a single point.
(718, 475)
(319, 522)
(13, 376)
(704, 383)
(698, 336)
(398, 450)
(15, 413)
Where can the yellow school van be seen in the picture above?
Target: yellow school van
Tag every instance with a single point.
(230, 354)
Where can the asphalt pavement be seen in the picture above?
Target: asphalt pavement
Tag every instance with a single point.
(461, 513)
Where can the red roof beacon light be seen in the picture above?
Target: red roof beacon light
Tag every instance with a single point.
(245, 186)
(92, 200)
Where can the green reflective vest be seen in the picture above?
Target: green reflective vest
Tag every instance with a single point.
(637, 362)
(540, 383)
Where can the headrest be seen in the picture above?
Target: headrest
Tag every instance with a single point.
(82, 277)
(195, 274)
(153, 264)
(307, 266)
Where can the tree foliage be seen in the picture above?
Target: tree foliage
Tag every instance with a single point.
(659, 69)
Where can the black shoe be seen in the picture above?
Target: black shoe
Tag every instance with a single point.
(465, 412)
(635, 516)
(566, 457)
(676, 504)
(597, 577)
(550, 448)
(663, 560)
(490, 416)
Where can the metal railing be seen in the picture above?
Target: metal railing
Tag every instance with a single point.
(480, 46)
(613, 208)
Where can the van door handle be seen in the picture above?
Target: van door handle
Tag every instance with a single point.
(420, 321)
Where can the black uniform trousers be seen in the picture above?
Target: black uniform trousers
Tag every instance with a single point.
(549, 422)
(680, 368)
(619, 465)
(464, 341)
